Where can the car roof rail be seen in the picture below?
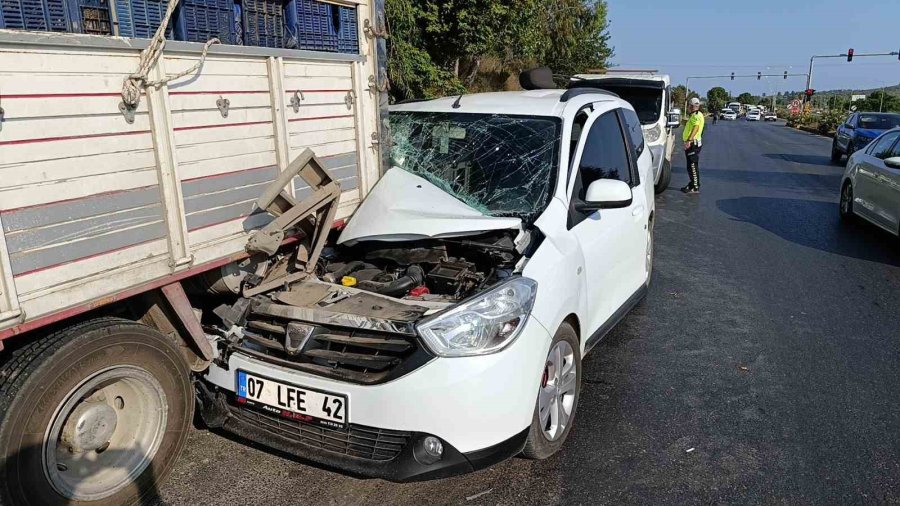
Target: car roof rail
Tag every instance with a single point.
(574, 92)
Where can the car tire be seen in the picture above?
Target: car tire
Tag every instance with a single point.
(545, 439)
(665, 177)
(835, 152)
(845, 206)
(850, 150)
(127, 381)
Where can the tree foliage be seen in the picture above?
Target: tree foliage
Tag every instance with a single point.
(878, 101)
(717, 98)
(746, 98)
(439, 47)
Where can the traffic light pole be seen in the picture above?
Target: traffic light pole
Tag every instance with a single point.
(687, 83)
(849, 55)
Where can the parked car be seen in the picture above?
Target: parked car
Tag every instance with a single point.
(770, 116)
(754, 115)
(859, 130)
(870, 187)
(729, 115)
(445, 330)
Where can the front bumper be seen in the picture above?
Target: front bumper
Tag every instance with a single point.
(218, 412)
(479, 407)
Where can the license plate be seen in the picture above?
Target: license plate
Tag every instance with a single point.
(290, 401)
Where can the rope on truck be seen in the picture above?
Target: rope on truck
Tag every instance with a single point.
(133, 84)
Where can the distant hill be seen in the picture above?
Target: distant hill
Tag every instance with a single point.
(890, 90)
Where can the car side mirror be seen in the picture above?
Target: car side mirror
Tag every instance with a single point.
(605, 194)
(674, 118)
(848, 125)
(893, 162)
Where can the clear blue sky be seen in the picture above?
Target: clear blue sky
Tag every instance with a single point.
(710, 37)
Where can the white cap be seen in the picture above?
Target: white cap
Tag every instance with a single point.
(695, 101)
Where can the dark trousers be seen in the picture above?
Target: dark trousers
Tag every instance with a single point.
(693, 165)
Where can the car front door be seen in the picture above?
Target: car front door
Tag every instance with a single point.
(886, 187)
(605, 236)
(870, 198)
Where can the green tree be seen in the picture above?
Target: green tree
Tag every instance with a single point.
(879, 101)
(438, 47)
(717, 98)
(745, 98)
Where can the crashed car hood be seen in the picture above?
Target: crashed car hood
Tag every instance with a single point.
(403, 207)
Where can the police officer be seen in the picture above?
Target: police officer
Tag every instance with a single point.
(692, 137)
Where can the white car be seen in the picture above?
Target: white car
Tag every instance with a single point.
(770, 116)
(754, 115)
(445, 332)
(869, 188)
(729, 115)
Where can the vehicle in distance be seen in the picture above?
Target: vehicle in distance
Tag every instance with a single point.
(444, 331)
(770, 116)
(859, 130)
(736, 107)
(870, 183)
(754, 115)
(729, 114)
(650, 95)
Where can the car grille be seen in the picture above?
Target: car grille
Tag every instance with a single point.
(359, 441)
(358, 356)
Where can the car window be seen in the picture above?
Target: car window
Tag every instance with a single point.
(852, 120)
(882, 147)
(895, 151)
(633, 128)
(604, 155)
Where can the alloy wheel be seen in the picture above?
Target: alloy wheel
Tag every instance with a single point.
(556, 400)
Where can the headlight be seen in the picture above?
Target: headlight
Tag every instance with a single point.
(483, 324)
(653, 134)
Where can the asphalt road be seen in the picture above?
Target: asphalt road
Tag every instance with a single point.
(763, 367)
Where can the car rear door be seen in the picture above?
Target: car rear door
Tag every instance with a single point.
(604, 236)
(870, 199)
(844, 131)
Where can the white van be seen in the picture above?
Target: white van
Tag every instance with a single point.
(650, 95)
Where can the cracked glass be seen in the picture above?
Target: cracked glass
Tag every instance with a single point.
(501, 165)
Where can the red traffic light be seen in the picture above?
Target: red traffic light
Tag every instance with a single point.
(809, 92)
(850, 54)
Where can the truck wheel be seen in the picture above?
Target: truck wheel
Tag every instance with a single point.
(94, 414)
(558, 395)
(665, 177)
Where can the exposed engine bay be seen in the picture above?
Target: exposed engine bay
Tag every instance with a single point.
(444, 270)
(349, 312)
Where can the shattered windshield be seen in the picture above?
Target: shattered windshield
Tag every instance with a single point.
(498, 164)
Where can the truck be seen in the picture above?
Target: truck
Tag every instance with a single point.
(651, 96)
(123, 211)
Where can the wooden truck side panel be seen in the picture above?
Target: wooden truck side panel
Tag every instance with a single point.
(94, 204)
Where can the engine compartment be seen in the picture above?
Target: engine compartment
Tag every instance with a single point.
(440, 270)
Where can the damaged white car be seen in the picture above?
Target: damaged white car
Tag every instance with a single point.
(444, 331)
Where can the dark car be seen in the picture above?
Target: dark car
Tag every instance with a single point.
(859, 130)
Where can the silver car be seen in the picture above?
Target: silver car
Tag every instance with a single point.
(870, 187)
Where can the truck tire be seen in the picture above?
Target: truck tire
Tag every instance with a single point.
(665, 177)
(93, 414)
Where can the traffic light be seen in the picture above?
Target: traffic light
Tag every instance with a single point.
(809, 92)
(732, 76)
(758, 76)
(785, 74)
(850, 54)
